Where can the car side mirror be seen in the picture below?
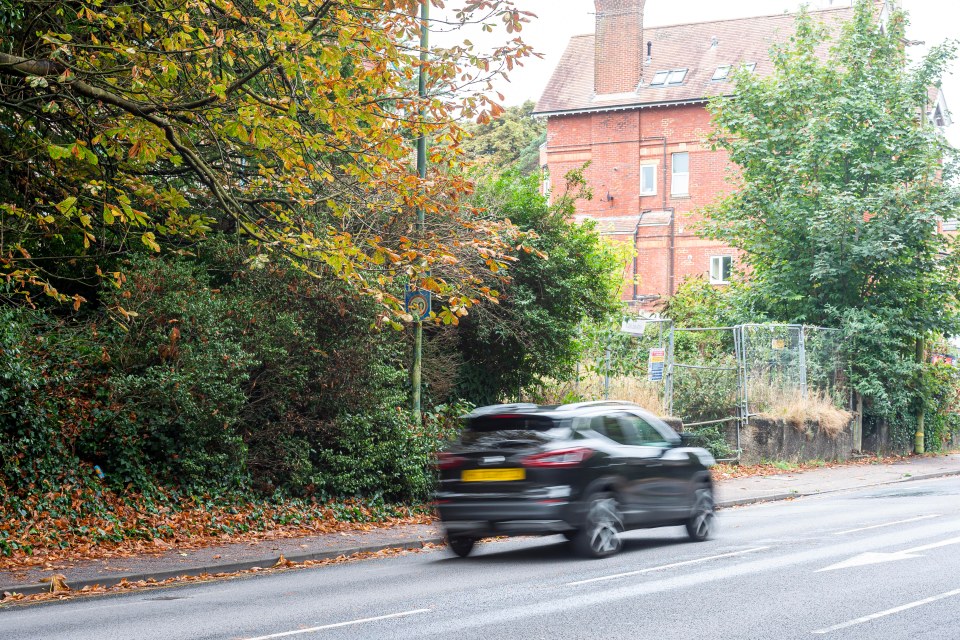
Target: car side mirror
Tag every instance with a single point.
(688, 440)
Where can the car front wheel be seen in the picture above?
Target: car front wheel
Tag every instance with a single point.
(700, 522)
(600, 535)
(461, 545)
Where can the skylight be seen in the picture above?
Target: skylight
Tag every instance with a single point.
(668, 78)
(750, 66)
(677, 76)
(721, 73)
(659, 78)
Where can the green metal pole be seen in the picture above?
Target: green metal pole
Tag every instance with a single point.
(918, 438)
(415, 371)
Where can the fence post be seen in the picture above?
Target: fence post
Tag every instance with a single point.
(803, 362)
(858, 425)
(668, 381)
(606, 374)
(740, 336)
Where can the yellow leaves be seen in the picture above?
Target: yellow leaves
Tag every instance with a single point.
(150, 240)
(58, 583)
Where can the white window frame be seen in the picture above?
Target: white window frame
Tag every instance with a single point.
(545, 185)
(651, 188)
(716, 269)
(721, 73)
(659, 78)
(680, 180)
(677, 76)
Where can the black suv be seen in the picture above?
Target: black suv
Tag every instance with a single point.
(588, 470)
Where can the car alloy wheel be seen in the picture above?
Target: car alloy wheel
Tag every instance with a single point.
(461, 545)
(700, 523)
(600, 535)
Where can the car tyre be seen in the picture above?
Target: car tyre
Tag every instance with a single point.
(700, 523)
(600, 535)
(461, 545)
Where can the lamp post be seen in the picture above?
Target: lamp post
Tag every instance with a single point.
(415, 370)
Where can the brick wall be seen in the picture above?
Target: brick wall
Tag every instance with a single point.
(616, 144)
(618, 43)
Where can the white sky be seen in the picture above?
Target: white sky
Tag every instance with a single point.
(932, 21)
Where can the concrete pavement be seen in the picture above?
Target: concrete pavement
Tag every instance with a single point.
(228, 558)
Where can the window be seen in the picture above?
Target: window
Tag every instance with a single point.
(648, 179)
(644, 434)
(659, 78)
(545, 180)
(721, 73)
(676, 76)
(720, 268)
(610, 427)
(950, 225)
(680, 184)
(750, 67)
(671, 77)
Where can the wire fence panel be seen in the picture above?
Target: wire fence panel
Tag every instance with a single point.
(714, 378)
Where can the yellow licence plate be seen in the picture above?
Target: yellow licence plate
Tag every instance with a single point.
(493, 475)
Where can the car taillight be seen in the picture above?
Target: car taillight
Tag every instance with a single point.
(561, 458)
(448, 460)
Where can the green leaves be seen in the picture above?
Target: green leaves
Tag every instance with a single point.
(836, 214)
(294, 130)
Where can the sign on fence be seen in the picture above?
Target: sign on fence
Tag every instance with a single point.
(657, 358)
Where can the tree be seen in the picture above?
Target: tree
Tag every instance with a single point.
(840, 188)
(286, 122)
(567, 276)
(511, 141)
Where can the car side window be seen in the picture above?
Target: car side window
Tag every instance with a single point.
(644, 433)
(611, 427)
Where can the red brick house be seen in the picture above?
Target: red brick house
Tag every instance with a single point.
(631, 100)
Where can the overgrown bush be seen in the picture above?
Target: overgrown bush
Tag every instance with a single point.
(383, 454)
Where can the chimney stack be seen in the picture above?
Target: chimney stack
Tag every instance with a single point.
(618, 46)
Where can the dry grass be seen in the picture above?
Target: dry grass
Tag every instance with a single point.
(648, 395)
(799, 412)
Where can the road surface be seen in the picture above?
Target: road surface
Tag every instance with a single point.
(879, 563)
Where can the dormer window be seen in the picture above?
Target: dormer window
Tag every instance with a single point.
(721, 73)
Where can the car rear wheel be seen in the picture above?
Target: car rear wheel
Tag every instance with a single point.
(461, 545)
(700, 523)
(600, 535)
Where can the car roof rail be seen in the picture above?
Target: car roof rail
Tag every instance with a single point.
(597, 403)
(499, 408)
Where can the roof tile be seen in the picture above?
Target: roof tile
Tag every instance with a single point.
(685, 46)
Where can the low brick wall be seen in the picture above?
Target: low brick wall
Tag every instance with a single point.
(764, 440)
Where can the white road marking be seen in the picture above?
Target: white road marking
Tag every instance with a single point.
(664, 566)
(872, 557)
(881, 614)
(886, 524)
(336, 625)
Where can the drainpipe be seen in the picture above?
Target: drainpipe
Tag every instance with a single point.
(636, 253)
(671, 250)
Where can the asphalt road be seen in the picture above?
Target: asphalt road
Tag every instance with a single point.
(881, 563)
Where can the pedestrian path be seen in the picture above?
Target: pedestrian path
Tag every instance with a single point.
(264, 554)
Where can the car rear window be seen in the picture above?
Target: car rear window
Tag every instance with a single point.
(511, 422)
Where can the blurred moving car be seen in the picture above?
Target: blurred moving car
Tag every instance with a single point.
(588, 471)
